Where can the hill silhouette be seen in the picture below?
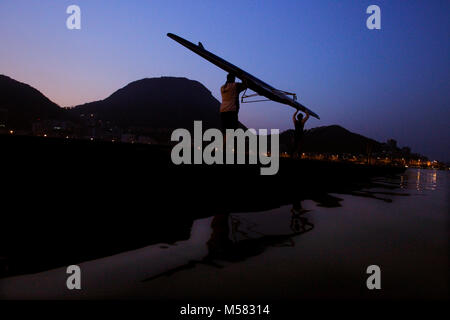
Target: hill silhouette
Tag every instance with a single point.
(332, 139)
(162, 103)
(165, 102)
(24, 104)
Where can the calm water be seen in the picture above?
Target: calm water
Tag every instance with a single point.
(306, 250)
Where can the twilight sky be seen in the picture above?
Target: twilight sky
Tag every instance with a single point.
(393, 82)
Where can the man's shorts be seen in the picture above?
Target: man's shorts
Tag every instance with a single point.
(229, 120)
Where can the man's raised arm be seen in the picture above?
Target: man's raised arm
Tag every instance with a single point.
(305, 118)
(242, 86)
(294, 117)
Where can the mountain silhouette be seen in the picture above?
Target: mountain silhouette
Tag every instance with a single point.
(164, 103)
(161, 103)
(332, 139)
(24, 104)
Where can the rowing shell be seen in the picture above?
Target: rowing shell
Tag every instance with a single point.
(252, 82)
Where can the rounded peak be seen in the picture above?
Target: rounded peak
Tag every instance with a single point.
(333, 127)
(175, 83)
(164, 79)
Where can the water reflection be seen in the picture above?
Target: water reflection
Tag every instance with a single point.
(235, 238)
(246, 227)
(420, 179)
(298, 222)
(413, 179)
(230, 240)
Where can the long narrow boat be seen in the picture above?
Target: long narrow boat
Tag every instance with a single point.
(255, 84)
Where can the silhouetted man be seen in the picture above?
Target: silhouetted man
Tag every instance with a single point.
(229, 108)
(299, 123)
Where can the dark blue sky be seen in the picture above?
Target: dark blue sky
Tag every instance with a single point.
(393, 82)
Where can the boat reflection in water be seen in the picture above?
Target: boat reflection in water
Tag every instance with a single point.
(234, 238)
(214, 242)
(142, 228)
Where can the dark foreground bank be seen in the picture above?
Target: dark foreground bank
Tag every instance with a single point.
(69, 201)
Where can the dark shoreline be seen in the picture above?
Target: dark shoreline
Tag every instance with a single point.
(68, 201)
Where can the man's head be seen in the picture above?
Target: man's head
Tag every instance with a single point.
(300, 116)
(231, 78)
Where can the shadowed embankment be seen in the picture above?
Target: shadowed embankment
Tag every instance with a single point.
(68, 201)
